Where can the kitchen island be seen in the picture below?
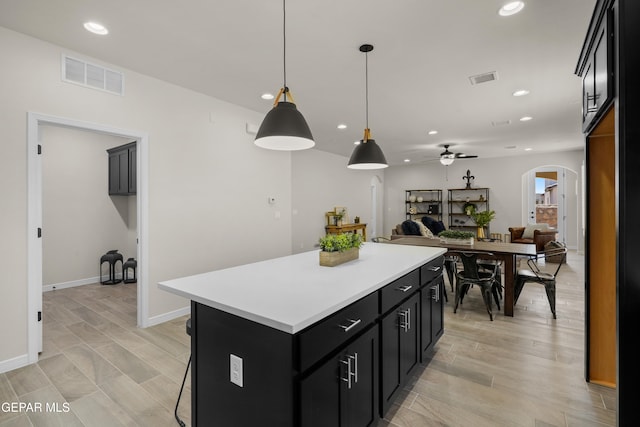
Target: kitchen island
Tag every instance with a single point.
(286, 342)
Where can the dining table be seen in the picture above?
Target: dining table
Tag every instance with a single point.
(505, 252)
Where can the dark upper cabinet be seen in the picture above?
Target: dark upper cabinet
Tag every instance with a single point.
(597, 72)
(122, 170)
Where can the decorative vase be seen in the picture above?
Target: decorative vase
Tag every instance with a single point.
(481, 234)
(419, 199)
(331, 259)
(412, 199)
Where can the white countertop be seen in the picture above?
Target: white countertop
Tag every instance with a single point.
(293, 292)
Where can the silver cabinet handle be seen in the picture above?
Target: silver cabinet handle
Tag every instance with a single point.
(434, 268)
(352, 369)
(405, 322)
(436, 293)
(404, 288)
(355, 367)
(348, 379)
(353, 324)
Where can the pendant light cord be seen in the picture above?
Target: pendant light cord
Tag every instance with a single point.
(366, 86)
(284, 49)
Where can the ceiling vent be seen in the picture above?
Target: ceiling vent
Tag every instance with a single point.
(499, 123)
(483, 78)
(90, 75)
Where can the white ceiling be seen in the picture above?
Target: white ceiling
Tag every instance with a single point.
(425, 52)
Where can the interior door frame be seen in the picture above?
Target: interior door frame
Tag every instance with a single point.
(34, 218)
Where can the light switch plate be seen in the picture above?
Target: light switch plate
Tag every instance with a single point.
(235, 370)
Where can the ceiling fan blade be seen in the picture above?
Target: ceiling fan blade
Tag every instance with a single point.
(465, 156)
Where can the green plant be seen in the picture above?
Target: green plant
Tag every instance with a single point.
(456, 234)
(340, 242)
(482, 219)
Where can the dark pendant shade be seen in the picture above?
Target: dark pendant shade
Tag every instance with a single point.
(367, 155)
(284, 128)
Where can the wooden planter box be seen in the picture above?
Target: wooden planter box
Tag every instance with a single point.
(451, 241)
(331, 259)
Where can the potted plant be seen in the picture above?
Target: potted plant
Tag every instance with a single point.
(337, 217)
(457, 237)
(482, 219)
(339, 248)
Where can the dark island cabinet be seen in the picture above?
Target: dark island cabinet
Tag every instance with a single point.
(345, 370)
(432, 315)
(122, 170)
(344, 390)
(399, 347)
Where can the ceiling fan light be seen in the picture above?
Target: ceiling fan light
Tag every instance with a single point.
(367, 155)
(447, 159)
(285, 129)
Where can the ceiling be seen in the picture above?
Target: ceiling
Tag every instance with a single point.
(424, 53)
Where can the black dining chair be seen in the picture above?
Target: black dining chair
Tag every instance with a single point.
(472, 275)
(536, 275)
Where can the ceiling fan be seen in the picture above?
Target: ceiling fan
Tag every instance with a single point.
(447, 157)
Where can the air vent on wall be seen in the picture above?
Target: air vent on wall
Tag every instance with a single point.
(90, 75)
(483, 78)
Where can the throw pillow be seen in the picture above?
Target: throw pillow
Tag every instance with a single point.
(410, 228)
(530, 228)
(424, 231)
(437, 227)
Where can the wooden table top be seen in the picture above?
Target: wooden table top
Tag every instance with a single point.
(495, 247)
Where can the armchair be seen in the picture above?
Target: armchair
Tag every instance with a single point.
(538, 235)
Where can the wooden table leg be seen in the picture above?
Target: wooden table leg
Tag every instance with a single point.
(509, 281)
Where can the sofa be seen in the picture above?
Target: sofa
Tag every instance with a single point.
(425, 227)
(534, 234)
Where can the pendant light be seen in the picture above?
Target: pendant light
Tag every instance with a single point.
(284, 128)
(367, 155)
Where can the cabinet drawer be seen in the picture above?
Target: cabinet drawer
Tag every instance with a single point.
(328, 334)
(431, 270)
(399, 289)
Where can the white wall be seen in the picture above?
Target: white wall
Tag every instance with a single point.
(502, 175)
(80, 220)
(322, 181)
(208, 183)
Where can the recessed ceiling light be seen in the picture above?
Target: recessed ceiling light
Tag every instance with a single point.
(521, 92)
(526, 118)
(511, 8)
(266, 96)
(433, 132)
(96, 28)
(528, 149)
(342, 126)
(407, 160)
(356, 143)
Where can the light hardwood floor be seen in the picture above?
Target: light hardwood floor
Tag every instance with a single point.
(522, 371)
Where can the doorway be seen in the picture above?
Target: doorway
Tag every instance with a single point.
(34, 212)
(550, 196)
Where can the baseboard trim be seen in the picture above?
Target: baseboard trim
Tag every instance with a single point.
(156, 320)
(74, 283)
(15, 363)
